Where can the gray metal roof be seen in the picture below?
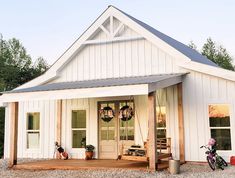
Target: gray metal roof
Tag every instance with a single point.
(187, 51)
(99, 83)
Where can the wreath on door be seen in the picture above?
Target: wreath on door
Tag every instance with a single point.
(126, 113)
(106, 114)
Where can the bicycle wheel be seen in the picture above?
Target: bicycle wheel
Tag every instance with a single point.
(223, 162)
(211, 162)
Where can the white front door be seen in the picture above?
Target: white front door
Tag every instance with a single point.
(115, 134)
(108, 148)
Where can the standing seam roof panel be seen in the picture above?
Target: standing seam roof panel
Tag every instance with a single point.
(187, 51)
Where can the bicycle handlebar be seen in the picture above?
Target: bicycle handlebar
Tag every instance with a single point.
(204, 146)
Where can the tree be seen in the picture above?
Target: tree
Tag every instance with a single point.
(216, 53)
(16, 68)
(40, 66)
(192, 45)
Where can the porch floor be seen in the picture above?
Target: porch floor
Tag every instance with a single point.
(79, 164)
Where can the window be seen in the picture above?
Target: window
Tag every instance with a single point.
(127, 130)
(219, 119)
(33, 130)
(161, 122)
(161, 113)
(78, 128)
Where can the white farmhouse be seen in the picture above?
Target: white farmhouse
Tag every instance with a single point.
(177, 96)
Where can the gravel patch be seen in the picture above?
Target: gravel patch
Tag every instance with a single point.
(187, 171)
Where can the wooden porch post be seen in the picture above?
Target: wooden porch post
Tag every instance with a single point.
(13, 133)
(181, 123)
(59, 121)
(152, 145)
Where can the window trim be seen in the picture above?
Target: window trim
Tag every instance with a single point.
(73, 129)
(230, 127)
(35, 131)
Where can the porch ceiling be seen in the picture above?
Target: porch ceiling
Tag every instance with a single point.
(139, 85)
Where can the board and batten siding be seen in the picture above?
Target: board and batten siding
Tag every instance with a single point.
(200, 90)
(47, 111)
(90, 105)
(117, 59)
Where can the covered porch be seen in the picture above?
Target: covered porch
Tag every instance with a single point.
(106, 88)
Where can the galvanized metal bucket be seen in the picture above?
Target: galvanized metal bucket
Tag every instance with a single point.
(174, 166)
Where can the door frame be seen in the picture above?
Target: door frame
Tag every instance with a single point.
(116, 105)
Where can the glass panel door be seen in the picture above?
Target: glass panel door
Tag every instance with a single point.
(117, 131)
(107, 131)
(108, 126)
(126, 126)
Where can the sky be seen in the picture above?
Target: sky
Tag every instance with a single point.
(48, 27)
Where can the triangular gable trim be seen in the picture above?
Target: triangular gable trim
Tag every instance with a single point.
(52, 73)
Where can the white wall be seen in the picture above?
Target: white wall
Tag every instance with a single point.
(67, 107)
(47, 111)
(92, 121)
(172, 120)
(200, 90)
(117, 59)
(7, 133)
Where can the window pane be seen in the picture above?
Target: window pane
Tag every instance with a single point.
(33, 140)
(104, 135)
(79, 119)
(108, 134)
(130, 123)
(130, 134)
(161, 116)
(161, 133)
(79, 138)
(107, 124)
(219, 115)
(223, 138)
(122, 133)
(33, 121)
(111, 135)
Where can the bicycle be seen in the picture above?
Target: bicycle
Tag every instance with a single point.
(213, 159)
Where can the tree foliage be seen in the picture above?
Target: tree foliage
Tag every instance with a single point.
(192, 45)
(216, 53)
(16, 68)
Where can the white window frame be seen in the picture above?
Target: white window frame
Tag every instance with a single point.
(230, 121)
(74, 129)
(34, 131)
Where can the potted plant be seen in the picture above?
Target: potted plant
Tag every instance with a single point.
(89, 151)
